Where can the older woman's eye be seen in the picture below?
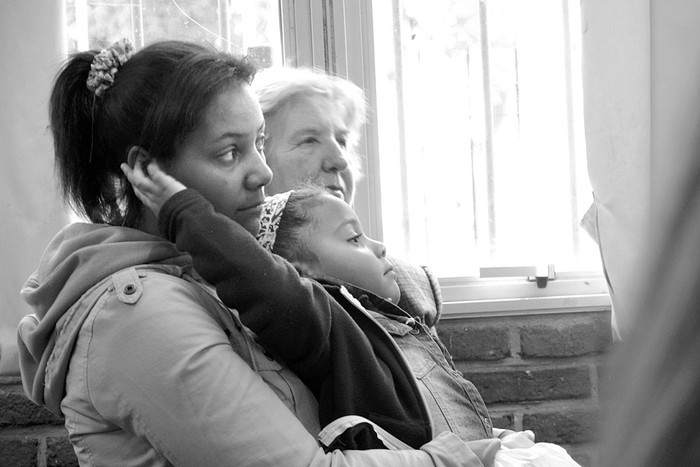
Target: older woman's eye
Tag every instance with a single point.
(342, 142)
(309, 140)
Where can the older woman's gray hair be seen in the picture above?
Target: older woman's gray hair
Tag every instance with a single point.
(277, 86)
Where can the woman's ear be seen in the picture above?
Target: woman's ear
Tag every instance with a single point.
(140, 154)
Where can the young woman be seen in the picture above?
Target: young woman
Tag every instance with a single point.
(127, 342)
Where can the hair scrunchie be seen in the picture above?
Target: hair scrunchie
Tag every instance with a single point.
(106, 64)
(272, 210)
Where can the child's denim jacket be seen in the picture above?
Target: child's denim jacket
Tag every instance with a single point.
(454, 402)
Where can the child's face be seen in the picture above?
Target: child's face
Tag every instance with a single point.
(344, 252)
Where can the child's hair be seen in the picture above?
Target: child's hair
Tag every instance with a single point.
(296, 216)
(156, 99)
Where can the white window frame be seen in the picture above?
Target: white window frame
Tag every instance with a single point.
(337, 37)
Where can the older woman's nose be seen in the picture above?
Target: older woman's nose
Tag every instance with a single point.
(335, 159)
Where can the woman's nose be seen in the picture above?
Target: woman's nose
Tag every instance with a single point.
(259, 174)
(335, 158)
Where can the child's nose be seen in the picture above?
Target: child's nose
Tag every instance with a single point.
(379, 249)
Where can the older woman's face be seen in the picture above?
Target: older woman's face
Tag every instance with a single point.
(307, 143)
(222, 158)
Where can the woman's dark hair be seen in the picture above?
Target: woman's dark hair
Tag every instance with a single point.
(297, 216)
(158, 97)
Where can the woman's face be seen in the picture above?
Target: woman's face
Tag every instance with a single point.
(223, 160)
(308, 144)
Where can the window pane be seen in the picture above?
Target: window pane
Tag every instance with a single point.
(96, 24)
(484, 99)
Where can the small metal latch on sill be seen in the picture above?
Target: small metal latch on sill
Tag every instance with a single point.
(538, 274)
(543, 275)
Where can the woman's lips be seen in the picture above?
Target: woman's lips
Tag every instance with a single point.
(257, 207)
(336, 191)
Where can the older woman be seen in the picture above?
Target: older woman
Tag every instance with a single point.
(313, 129)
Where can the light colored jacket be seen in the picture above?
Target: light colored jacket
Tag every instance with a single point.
(149, 368)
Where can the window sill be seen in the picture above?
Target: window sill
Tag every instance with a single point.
(525, 306)
(573, 293)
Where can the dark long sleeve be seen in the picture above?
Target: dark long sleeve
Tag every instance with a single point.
(298, 320)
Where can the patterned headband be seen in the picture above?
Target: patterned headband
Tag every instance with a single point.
(106, 64)
(270, 219)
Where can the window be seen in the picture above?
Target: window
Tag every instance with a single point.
(481, 144)
(250, 27)
(485, 101)
(475, 150)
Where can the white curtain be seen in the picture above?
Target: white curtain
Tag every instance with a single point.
(31, 49)
(617, 106)
(675, 103)
(642, 112)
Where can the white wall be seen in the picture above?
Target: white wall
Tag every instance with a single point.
(31, 46)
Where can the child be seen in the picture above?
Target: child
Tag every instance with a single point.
(322, 237)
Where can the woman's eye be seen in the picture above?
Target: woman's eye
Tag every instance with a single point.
(229, 156)
(342, 142)
(309, 140)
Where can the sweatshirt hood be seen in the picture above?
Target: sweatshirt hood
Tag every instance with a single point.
(77, 258)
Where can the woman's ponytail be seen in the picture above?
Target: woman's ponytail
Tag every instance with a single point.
(72, 113)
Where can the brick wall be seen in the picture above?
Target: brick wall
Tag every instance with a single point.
(535, 372)
(30, 435)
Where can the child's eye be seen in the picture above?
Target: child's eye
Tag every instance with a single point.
(355, 239)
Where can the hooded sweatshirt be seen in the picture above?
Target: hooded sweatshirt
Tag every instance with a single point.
(149, 368)
(77, 259)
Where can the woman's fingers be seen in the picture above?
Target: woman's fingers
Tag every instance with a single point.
(151, 184)
(164, 181)
(143, 187)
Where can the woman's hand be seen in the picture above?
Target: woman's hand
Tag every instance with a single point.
(151, 185)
